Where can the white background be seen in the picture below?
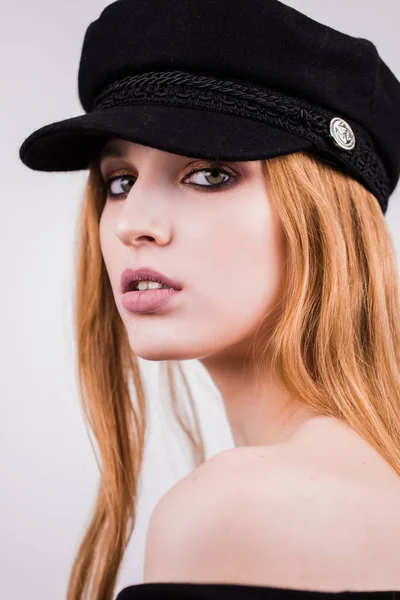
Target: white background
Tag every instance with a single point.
(48, 471)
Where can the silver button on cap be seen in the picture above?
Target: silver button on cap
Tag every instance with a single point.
(342, 134)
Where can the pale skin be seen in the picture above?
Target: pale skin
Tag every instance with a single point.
(227, 248)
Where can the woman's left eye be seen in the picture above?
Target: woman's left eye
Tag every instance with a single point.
(212, 176)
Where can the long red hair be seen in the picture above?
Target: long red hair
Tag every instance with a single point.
(335, 345)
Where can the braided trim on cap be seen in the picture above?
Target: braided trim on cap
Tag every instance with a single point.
(253, 102)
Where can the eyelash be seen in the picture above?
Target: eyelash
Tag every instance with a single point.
(207, 188)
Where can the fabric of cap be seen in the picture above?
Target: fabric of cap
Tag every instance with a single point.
(262, 44)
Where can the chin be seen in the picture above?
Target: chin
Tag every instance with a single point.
(155, 354)
(161, 342)
(156, 350)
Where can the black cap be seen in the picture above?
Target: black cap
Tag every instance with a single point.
(229, 80)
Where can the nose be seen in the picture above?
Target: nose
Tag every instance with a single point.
(143, 218)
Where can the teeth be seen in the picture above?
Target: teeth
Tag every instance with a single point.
(150, 285)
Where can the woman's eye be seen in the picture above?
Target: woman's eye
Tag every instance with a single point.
(214, 178)
(113, 184)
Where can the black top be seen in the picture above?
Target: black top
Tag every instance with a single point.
(222, 591)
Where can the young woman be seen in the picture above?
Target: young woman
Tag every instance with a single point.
(235, 213)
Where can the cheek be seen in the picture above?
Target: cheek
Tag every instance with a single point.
(241, 266)
(109, 249)
(104, 240)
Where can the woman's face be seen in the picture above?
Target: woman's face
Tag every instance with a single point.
(220, 240)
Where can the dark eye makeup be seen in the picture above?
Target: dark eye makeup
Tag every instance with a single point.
(211, 170)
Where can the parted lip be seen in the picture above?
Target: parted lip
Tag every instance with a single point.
(128, 276)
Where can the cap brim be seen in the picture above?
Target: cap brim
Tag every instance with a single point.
(70, 145)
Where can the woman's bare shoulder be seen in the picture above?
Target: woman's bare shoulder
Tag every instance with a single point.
(319, 511)
(329, 442)
(323, 445)
(319, 442)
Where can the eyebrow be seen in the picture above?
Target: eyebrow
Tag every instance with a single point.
(112, 150)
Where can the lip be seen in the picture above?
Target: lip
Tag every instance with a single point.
(146, 274)
(147, 301)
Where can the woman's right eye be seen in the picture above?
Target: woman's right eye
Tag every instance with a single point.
(119, 181)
